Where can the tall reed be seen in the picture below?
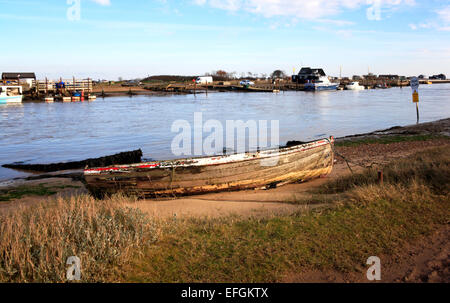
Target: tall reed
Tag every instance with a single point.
(35, 242)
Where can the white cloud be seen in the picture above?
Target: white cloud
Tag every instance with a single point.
(426, 25)
(441, 23)
(444, 14)
(336, 22)
(303, 9)
(103, 2)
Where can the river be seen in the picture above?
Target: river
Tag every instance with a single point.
(58, 132)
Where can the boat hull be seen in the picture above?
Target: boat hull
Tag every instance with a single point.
(11, 99)
(320, 88)
(215, 174)
(355, 88)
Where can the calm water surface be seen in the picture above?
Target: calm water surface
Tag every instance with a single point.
(58, 132)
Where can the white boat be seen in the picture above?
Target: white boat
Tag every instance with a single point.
(355, 86)
(10, 94)
(323, 83)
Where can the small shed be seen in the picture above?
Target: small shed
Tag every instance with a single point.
(22, 77)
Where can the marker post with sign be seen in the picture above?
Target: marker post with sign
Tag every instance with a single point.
(195, 86)
(415, 89)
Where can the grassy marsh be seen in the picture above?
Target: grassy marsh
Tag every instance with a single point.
(365, 219)
(117, 242)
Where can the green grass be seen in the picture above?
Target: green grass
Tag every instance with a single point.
(34, 190)
(365, 220)
(389, 140)
(21, 191)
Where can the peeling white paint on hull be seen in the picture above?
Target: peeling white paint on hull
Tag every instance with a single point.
(213, 174)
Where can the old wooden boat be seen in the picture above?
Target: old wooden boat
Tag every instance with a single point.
(267, 168)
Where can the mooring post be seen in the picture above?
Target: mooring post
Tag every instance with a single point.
(380, 177)
(417, 110)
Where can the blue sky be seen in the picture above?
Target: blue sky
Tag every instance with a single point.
(136, 38)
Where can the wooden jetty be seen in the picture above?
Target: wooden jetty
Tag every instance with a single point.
(65, 90)
(46, 87)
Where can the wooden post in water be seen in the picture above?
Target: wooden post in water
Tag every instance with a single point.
(417, 110)
(380, 177)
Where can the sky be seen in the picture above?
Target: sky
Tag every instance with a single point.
(108, 39)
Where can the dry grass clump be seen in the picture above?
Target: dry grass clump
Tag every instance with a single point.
(431, 168)
(35, 242)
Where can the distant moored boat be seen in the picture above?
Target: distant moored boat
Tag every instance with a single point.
(323, 83)
(355, 86)
(10, 94)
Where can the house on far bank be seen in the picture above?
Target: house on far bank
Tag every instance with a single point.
(306, 74)
(438, 77)
(21, 77)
